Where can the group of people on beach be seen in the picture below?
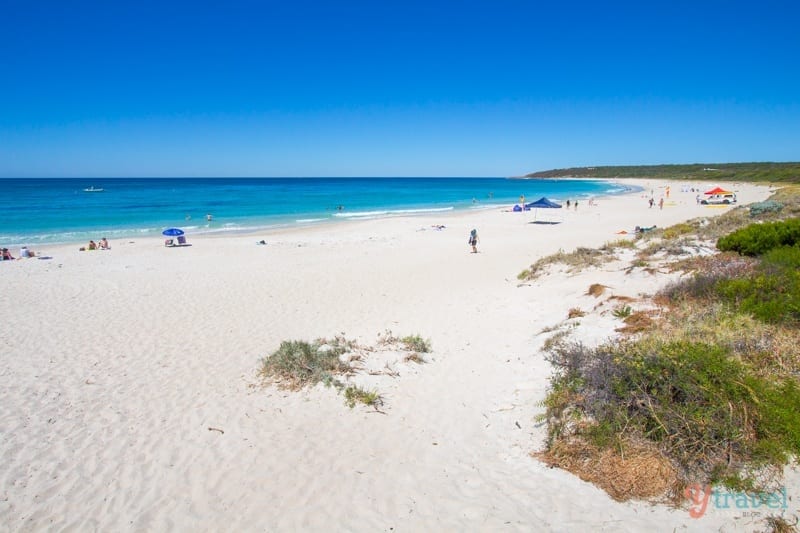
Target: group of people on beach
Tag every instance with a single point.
(24, 251)
(102, 245)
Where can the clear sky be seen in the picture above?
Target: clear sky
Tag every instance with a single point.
(392, 88)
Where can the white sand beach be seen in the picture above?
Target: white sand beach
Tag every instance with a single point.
(130, 400)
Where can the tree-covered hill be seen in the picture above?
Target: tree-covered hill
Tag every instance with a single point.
(773, 172)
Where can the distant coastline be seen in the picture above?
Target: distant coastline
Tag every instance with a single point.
(755, 172)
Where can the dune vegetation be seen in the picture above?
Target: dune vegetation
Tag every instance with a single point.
(707, 393)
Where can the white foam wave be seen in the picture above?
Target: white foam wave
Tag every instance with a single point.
(391, 212)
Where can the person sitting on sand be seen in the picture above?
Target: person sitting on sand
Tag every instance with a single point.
(6, 255)
(92, 245)
(104, 244)
(24, 252)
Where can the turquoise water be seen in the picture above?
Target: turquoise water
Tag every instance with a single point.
(34, 211)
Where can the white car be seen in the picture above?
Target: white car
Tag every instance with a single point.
(728, 198)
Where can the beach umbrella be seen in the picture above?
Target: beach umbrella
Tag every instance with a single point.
(542, 203)
(172, 232)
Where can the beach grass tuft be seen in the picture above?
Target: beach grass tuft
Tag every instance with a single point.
(611, 246)
(575, 312)
(596, 289)
(779, 524)
(555, 340)
(416, 343)
(577, 260)
(622, 311)
(673, 232)
(297, 364)
(636, 322)
(414, 357)
(630, 469)
(354, 394)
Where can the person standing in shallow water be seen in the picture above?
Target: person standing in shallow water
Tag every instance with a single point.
(473, 240)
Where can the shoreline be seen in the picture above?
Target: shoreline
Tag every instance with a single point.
(241, 226)
(119, 363)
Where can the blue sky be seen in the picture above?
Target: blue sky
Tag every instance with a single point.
(389, 88)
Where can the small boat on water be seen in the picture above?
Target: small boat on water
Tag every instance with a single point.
(93, 189)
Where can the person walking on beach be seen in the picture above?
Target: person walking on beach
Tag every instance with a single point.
(473, 240)
(661, 204)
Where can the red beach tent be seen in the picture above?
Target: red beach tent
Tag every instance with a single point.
(717, 190)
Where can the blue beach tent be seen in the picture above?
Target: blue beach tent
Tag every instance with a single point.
(542, 203)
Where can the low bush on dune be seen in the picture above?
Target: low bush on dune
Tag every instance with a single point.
(709, 393)
(757, 239)
(767, 287)
(760, 208)
(704, 410)
(772, 294)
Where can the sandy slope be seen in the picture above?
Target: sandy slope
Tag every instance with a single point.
(115, 365)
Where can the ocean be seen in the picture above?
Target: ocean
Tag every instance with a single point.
(58, 210)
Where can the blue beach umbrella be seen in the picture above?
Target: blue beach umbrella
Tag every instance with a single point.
(172, 232)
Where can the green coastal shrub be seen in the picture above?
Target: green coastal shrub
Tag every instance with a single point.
(772, 293)
(705, 409)
(757, 239)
